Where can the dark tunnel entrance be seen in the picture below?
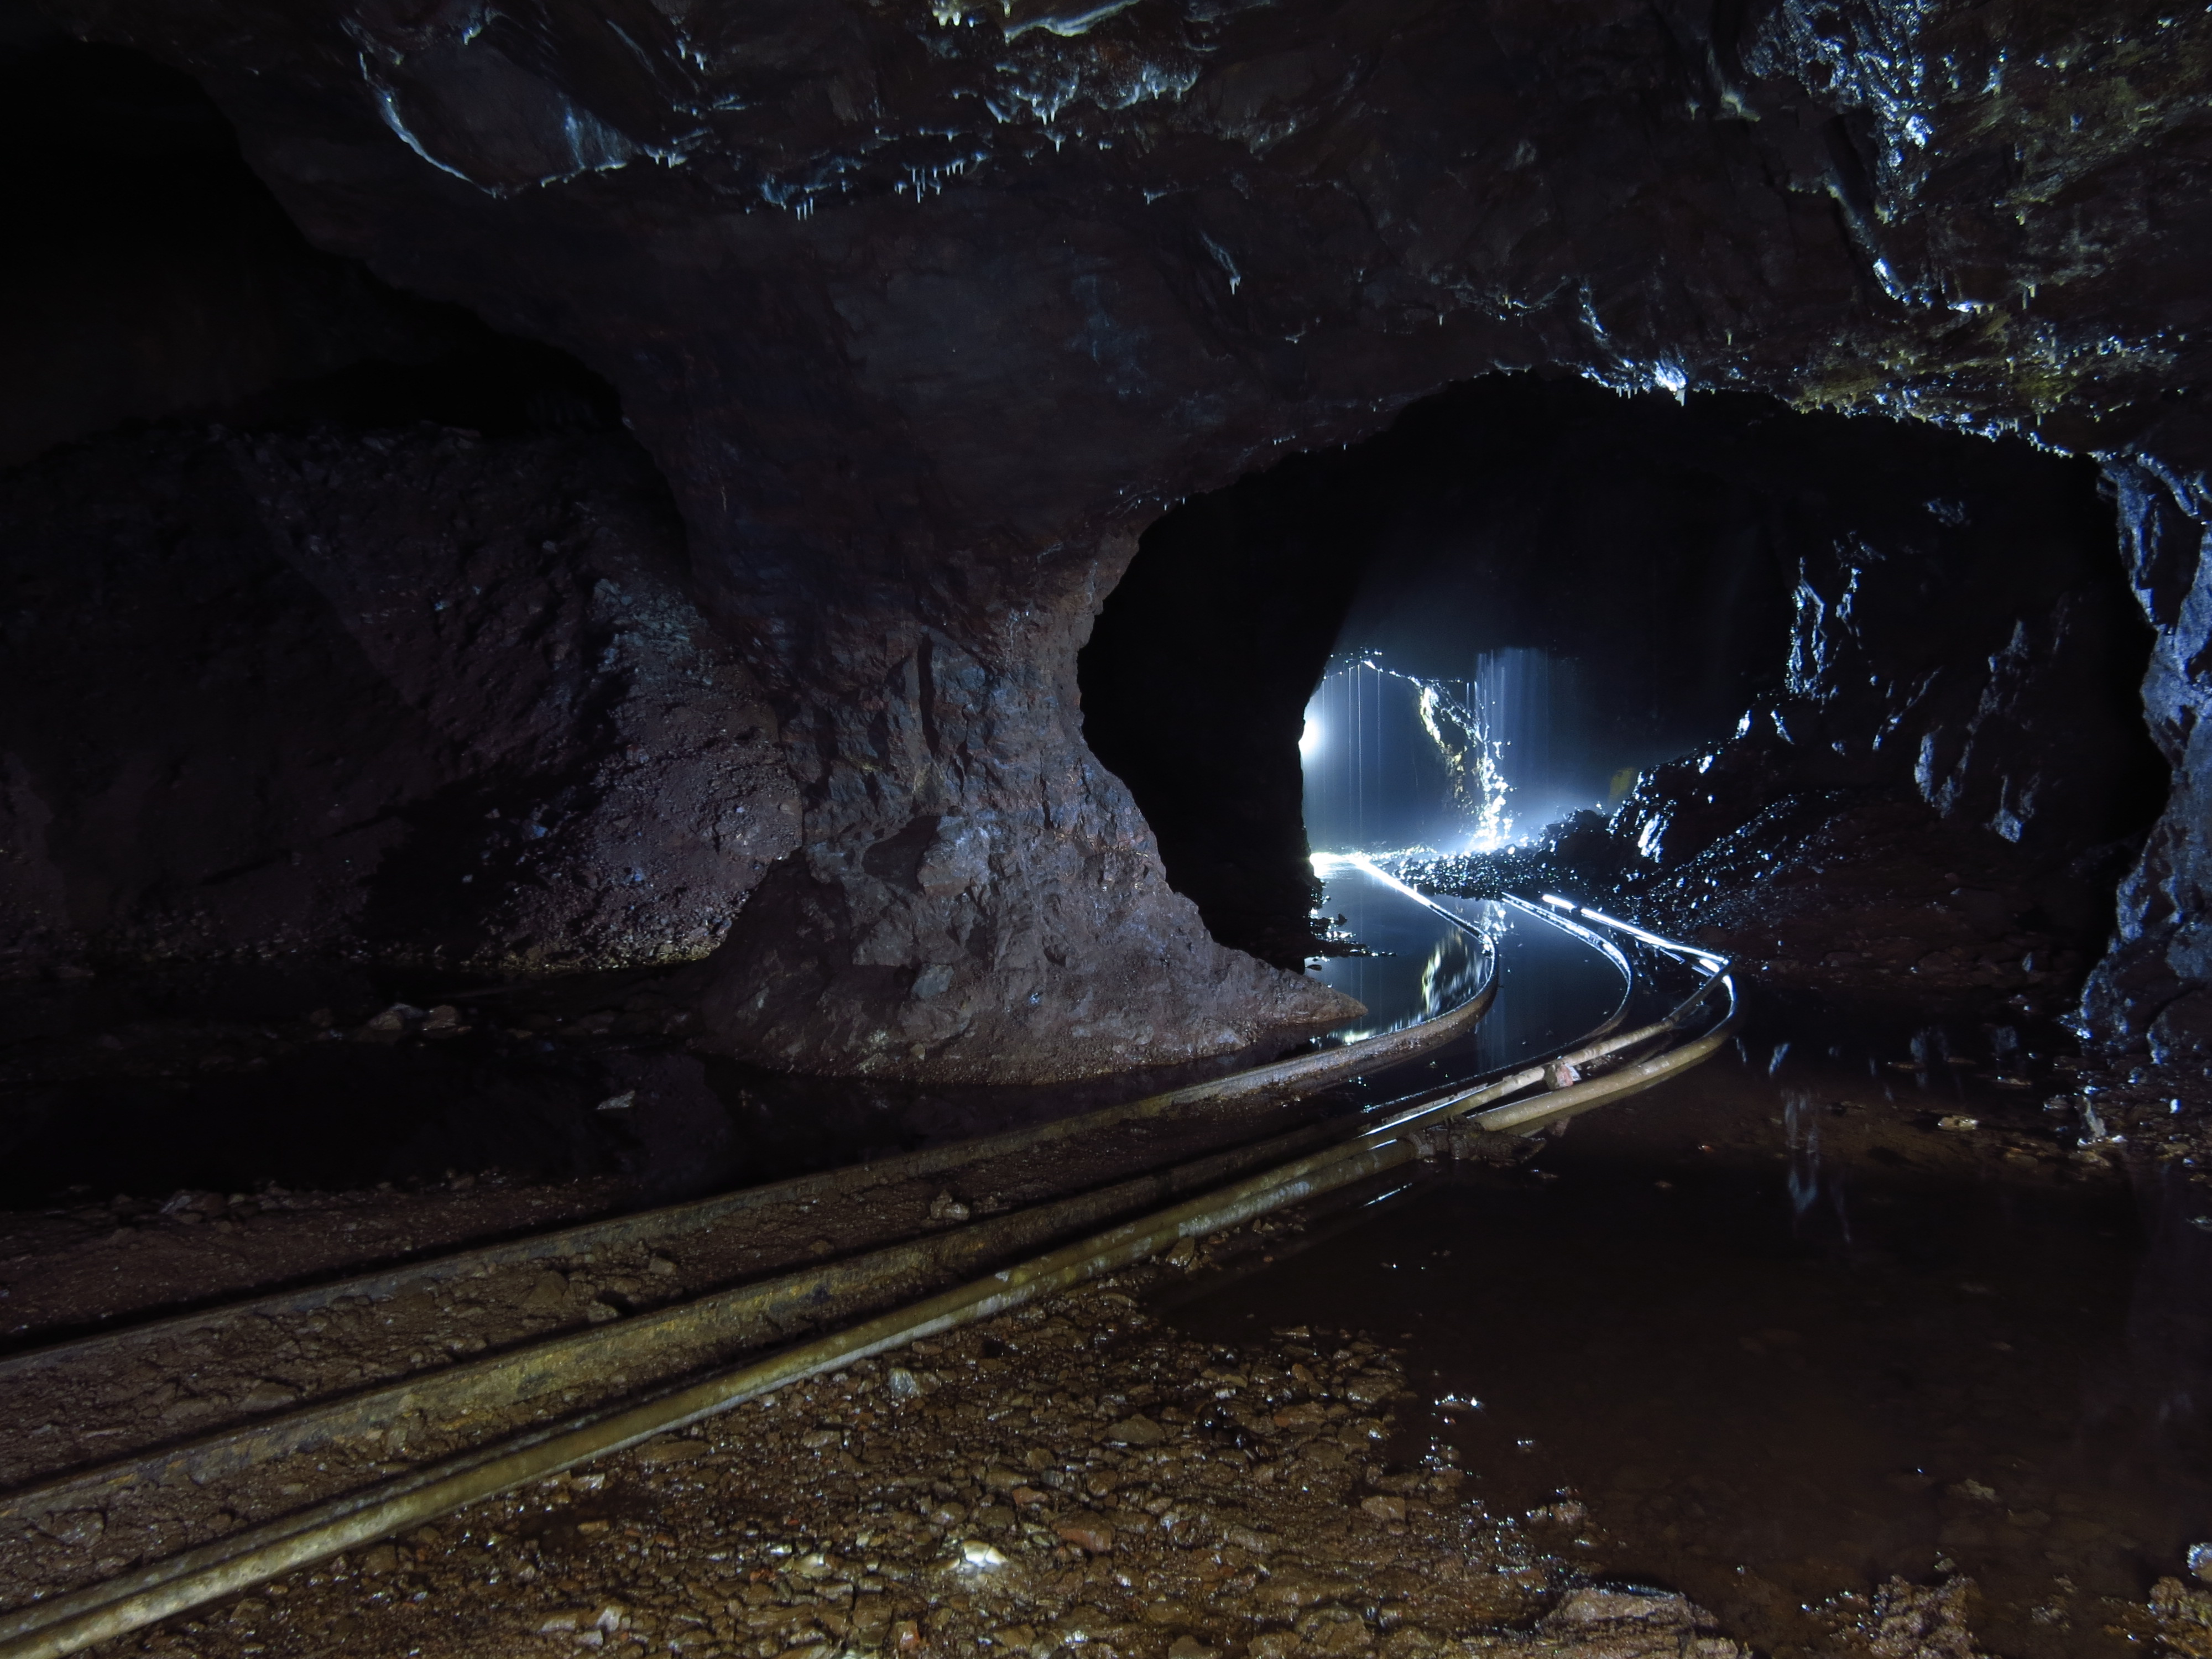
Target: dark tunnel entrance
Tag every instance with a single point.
(1584, 587)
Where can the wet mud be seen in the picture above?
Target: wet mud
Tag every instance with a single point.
(1070, 1478)
(1842, 1307)
(1880, 1335)
(336, 1078)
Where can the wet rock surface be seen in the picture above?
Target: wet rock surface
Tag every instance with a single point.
(923, 314)
(1861, 893)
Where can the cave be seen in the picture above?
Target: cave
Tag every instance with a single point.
(1817, 603)
(1226, 832)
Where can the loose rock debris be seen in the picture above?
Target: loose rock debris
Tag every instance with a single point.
(1070, 1477)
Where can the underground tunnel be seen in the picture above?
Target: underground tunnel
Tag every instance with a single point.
(1204, 832)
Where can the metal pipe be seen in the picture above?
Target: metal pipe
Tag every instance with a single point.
(50, 1629)
(1301, 1072)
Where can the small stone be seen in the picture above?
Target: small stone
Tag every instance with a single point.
(76, 1528)
(1383, 1507)
(1296, 1589)
(667, 1449)
(266, 1394)
(547, 1292)
(621, 1102)
(945, 1207)
(1139, 1431)
(976, 1556)
(1189, 1647)
(2200, 1563)
(1958, 1122)
(1591, 1605)
(901, 1383)
(661, 1265)
(1088, 1532)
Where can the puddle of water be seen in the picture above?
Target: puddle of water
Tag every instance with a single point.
(1785, 1337)
(1551, 986)
(1422, 960)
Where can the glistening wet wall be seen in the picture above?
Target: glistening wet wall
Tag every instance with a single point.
(1942, 612)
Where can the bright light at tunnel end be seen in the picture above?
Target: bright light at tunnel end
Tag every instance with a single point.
(1310, 739)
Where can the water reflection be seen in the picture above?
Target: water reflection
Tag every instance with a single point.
(1425, 959)
(1431, 955)
(2000, 1368)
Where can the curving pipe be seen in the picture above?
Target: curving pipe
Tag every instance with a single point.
(66, 1623)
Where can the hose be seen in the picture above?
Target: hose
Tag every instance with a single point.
(162, 1589)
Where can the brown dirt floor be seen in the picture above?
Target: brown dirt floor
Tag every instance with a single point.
(1065, 1478)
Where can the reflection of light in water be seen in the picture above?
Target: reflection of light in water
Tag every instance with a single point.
(1426, 962)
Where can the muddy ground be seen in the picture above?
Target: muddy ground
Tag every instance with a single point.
(1074, 1477)
(1070, 1477)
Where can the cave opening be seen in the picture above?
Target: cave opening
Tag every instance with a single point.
(1639, 648)
(1857, 704)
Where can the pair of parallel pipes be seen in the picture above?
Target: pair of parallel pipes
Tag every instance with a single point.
(162, 1589)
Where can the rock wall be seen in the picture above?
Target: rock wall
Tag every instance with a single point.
(2152, 987)
(411, 695)
(925, 310)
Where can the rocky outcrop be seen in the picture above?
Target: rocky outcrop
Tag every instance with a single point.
(407, 694)
(925, 310)
(2155, 985)
(977, 898)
